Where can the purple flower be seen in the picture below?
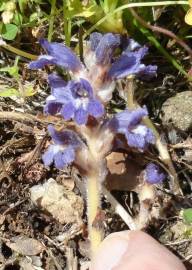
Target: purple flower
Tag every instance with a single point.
(104, 46)
(57, 54)
(62, 152)
(73, 100)
(128, 123)
(129, 63)
(99, 67)
(152, 174)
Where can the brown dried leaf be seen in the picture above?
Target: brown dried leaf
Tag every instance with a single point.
(123, 172)
(26, 246)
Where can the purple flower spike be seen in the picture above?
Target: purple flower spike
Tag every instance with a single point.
(152, 174)
(62, 152)
(129, 63)
(57, 54)
(73, 100)
(104, 46)
(128, 123)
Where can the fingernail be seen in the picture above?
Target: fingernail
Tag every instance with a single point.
(110, 253)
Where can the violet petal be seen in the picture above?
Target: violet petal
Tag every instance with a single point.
(153, 175)
(129, 63)
(68, 111)
(105, 49)
(95, 38)
(81, 116)
(48, 156)
(58, 54)
(95, 108)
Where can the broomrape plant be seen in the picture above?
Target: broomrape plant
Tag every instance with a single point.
(83, 99)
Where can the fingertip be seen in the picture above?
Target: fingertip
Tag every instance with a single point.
(134, 250)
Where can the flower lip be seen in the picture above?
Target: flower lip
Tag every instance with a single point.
(63, 151)
(74, 100)
(66, 137)
(129, 123)
(129, 63)
(153, 175)
(57, 54)
(104, 46)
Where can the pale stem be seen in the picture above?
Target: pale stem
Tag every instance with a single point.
(93, 206)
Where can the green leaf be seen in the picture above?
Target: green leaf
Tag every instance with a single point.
(26, 91)
(22, 4)
(75, 8)
(29, 91)
(109, 5)
(9, 31)
(18, 19)
(2, 6)
(187, 215)
(9, 92)
(13, 71)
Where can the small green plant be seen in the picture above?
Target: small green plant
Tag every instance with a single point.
(21, 90)
(15, 17)
(187, 215)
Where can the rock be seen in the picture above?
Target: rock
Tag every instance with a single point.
(64, 205)
(177, 111)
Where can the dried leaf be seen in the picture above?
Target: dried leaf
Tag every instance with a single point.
(123, 172)
(26, 246)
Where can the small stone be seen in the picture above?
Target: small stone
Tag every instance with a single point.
(177, 111)
(64, 205)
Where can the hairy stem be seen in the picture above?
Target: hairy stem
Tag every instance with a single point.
(93, 207)
(51, 21)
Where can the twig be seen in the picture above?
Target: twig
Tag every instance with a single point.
(161, 30)
(50, 254)
(14, 206)
(119, 209)
(71, 260)
(36, 152)
(19, 52)
(20, 117)
(4, 171)
(178, 242)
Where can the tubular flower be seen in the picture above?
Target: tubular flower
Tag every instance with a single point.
(129, 63)
(57, 54)
(100, 69)
(62, 152)
(129, 124)
(152, 174)
(73, 100)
